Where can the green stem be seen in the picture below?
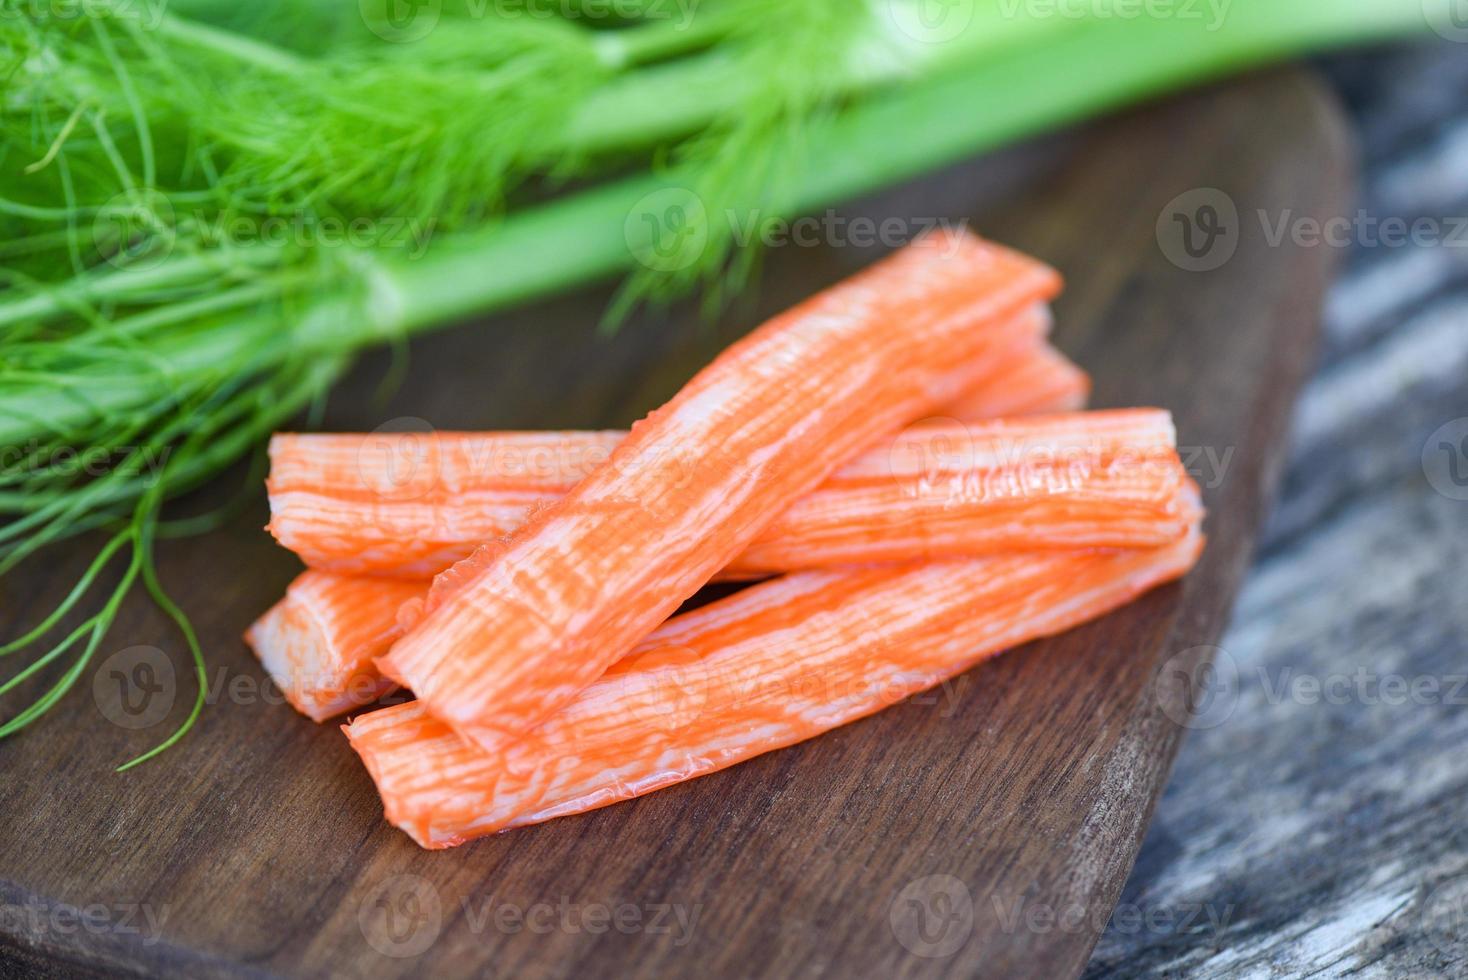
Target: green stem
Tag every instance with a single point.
(266, 57)
(120, 284)
(664, 102)
(887, 139)
(664, 39)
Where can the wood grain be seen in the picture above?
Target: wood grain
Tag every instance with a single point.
(257, 846)
(1356, 802)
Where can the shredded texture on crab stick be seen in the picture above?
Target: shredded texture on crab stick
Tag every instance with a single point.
(768, 667)
(1039, 381)
(948, 474)
(317, 643)
(1024, 509)
(409, 504)
(692, 485)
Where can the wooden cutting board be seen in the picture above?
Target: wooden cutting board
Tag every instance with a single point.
(985, 830)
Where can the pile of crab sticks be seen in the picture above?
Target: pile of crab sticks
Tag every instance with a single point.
(899, 464)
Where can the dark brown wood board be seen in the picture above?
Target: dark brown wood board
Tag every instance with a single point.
(986, 830)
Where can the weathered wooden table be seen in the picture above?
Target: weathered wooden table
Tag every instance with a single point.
(1317, 820)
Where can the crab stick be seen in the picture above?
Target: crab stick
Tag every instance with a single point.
(317, 643)
(409, 504)
(964, 477)
(1040, 381)
(765, 668)
(696, 481)
(1097, 479)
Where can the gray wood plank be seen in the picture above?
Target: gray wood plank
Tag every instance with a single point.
(1325, 833)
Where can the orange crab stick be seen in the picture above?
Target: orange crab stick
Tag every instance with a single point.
(970, 477)
(693, 484)
(766, 668)
(409, 504)
(1041, 381)
(317, 643)
(1046, 507)
(321, 641)
(1091, 479)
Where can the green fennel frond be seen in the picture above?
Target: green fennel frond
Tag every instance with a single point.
(737, 173)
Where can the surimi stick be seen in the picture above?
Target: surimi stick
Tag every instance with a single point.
(1096, 479)
(1013, 510)
(768, 667)
(319, 641)
(340, 523)
(409, 504)
(696, 481)
(1041, 382)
